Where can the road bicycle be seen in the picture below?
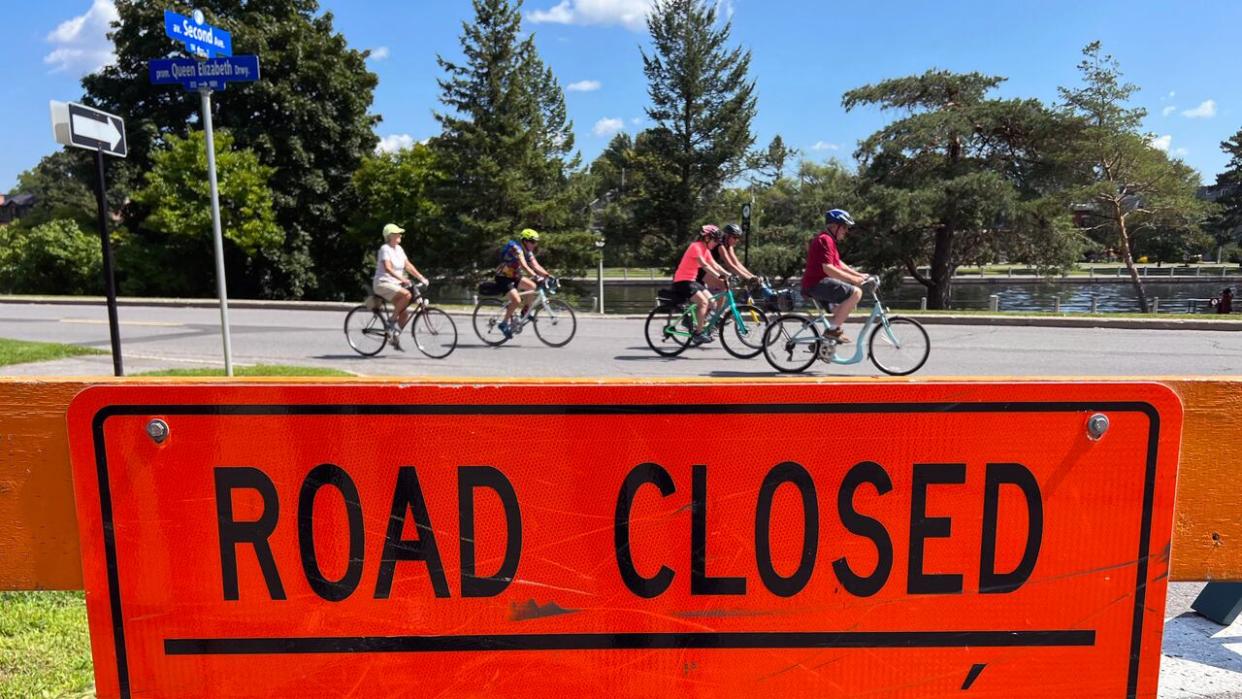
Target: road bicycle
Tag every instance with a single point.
(433, 330)
(740, 326)
(896, 345)
(553, 319)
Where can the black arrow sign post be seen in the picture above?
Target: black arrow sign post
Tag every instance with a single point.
(85, 127)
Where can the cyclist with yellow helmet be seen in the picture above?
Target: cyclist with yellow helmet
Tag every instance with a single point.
(519, 271)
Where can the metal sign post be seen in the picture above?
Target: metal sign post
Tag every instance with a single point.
(746, 232)
(217, 235)
(218, 68)
(86, 127)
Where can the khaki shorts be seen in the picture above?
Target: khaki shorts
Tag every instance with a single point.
(387, 289)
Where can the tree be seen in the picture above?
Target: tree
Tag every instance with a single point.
(398, 188)
(54, 257)
(959, 178)
(1226, 225)
(177, 195)
(306, 118)
(1129, 186)
(505, 137)
(769, 163)
(702, 104)
(61, 190)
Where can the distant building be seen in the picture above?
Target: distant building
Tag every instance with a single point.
(13, 207)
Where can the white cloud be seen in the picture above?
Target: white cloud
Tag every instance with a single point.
(81, 44)
(1161, 142)
(584, 86)
(1168, 110)
(637, 120)
(1172, 94)
(631, 14)
(608, 126)
(824, 145)
(1181, 152)
(1205, 110)
(378, 53)
(394, 143)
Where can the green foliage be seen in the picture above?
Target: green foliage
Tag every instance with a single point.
(22, 352)
(702, 103)
(397, 188)
(177, 193)
(568, 253)
(56, 257)
(1134, 193)
(63, 185)
(1226, 224)
(505, 138)
(959, 178)
(307, 118)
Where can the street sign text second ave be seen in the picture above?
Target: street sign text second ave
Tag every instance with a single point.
(629, 540)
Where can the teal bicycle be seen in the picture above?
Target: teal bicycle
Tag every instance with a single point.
(740, 326)
(897, 346)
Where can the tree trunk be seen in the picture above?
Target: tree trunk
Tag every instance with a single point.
(941, 272)
(1129, 258)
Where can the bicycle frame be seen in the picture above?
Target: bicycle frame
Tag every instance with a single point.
(713, 317)
(860, 352)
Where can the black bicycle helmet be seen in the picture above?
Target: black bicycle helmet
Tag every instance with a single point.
(732, 229)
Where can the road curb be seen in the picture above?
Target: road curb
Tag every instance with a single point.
(1063, 321)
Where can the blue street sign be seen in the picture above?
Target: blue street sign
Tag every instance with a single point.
(199, 38)
(212, 73)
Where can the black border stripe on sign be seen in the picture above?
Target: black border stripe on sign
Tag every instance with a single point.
(628, 641)
(615, 641)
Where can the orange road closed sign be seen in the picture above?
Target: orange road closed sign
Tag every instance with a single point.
(772, 539)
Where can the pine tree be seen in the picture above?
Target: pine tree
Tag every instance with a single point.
(702, 104)
(505, 138)
(1129, 186)
(1227, 223)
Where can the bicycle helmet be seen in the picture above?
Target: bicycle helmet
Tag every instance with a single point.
(838, 216)
(710, 232)
(732, 229)
(529, 234)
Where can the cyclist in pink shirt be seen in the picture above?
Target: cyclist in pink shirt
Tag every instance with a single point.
(686, 286)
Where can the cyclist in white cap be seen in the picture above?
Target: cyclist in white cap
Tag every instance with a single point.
(390, 281)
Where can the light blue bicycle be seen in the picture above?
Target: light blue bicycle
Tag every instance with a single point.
(896, 345)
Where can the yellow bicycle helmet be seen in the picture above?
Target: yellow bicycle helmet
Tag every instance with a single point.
(529, 234)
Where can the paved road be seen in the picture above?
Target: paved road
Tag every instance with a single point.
(155, 336)
(1200, 658)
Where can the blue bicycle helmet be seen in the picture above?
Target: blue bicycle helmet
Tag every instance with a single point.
(838, 216)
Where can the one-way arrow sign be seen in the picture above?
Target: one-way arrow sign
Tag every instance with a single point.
(86, 127)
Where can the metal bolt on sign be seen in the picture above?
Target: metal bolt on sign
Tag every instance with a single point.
(1097, 425)
(157, 429)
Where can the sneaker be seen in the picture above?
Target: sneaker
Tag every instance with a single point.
(395, 340)
(837, 335)
(701, 339)
(504, 328)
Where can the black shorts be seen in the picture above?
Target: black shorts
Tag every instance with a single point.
(505, 284)
(684, 290)
(830, 290)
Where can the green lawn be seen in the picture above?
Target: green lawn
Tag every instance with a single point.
(20, 351)
(255, 370)
(44, 645)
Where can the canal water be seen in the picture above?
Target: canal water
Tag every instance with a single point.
(1175, 297)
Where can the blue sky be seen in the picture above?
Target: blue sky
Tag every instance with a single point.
(806, 53)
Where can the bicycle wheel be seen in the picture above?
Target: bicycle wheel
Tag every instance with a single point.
(745, 340)
(365, 331)
(434, 332)
(487, 316)
(555, 324)
(666, 335)
(900, 349)
(791, 343)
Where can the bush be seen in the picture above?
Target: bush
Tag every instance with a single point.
(57, 257)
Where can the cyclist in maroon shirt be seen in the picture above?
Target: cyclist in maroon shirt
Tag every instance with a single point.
(829, 280)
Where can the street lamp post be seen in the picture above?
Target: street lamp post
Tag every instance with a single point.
(599, 243)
